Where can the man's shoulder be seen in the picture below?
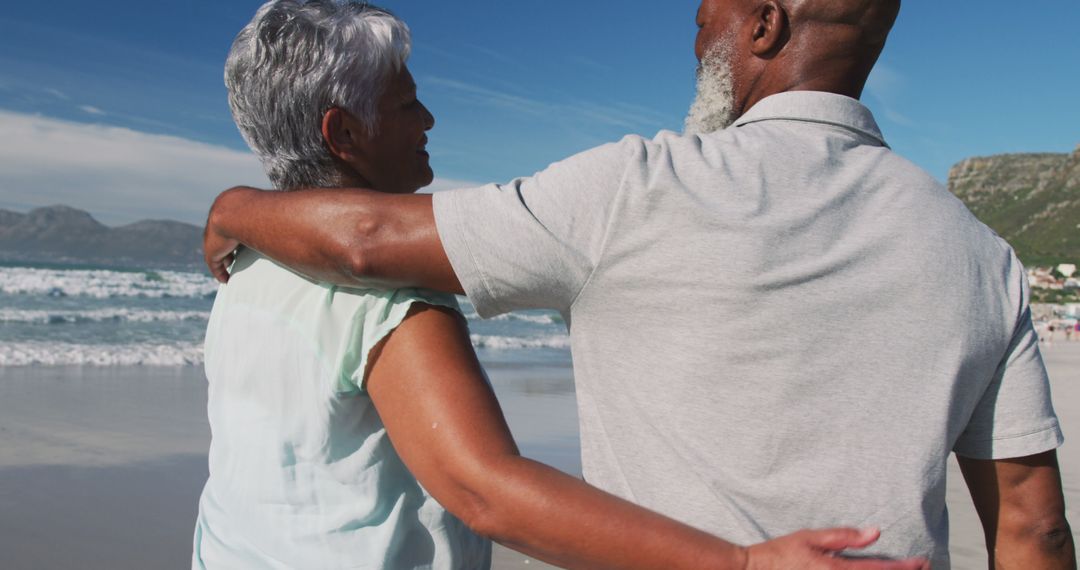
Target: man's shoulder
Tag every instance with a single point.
(612, 155)
(909, 171)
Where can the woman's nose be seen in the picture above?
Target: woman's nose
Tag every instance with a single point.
(429, 119)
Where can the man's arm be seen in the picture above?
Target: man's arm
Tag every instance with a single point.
(446, 424)
(1022, 509)
(348, 237)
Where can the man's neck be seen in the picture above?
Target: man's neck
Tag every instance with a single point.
(836, 80)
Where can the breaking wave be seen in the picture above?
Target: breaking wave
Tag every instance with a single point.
(536, 319)
(64, 354)
(189, 353)
(495, 342)
(105, 284)
(99, 316)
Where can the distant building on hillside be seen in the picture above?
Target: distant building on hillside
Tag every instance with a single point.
(1043, 278)
(1066, 269)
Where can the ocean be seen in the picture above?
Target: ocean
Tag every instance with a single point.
(102, 397)
(103, 411)
(52, 316)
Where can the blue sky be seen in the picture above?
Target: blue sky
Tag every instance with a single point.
(118, 107)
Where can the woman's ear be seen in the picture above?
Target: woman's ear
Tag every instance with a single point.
(340, 134)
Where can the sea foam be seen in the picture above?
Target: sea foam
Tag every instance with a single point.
(120, 315)
(104, 284)
(189, 353)
(495, 342)
(527, 318)
(64, 354)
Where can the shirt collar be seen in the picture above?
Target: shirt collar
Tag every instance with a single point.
(815, 107)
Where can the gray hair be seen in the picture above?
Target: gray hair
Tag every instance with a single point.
(295, 61)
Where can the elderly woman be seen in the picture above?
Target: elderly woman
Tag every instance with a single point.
(355, 428)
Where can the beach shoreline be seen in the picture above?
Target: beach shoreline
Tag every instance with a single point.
(102, 467)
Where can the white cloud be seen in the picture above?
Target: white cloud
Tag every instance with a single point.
(57, 93)
(885, 86)
(118, 174)
(484, 96)
(441, 184)
(613, 114)
(884, 81)
(90, 109)
(493, 54)
(590, 63)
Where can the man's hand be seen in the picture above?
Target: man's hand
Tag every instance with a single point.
(219, 250)
(818, 549)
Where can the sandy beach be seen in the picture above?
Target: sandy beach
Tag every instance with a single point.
(101, 468)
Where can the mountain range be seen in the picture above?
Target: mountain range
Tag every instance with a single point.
(1031, 200)
(66, 236)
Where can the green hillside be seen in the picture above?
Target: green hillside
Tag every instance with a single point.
(1031, 200)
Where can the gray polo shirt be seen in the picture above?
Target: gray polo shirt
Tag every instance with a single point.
(776, 326)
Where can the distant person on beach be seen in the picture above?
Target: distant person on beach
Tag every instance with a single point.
(354, 428)
(672, 257)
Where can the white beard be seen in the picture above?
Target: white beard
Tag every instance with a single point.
(714, 105)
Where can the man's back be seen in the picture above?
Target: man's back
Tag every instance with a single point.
(837, 317)
(777, 326)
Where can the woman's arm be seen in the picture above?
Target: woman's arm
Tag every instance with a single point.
(446, 424)
(348, 237)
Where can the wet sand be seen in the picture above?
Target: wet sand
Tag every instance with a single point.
(101, 468)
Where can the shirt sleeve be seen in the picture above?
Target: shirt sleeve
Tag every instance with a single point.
(380, 317)
(534, 242)
(1015, 417)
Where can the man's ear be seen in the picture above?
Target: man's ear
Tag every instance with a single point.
(770, 29)
(341, 134)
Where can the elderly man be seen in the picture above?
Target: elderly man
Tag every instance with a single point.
(354, 428)
(671, 256)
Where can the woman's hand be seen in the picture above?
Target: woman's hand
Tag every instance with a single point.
(818, 549)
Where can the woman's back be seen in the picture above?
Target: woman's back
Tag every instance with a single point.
(302, 473)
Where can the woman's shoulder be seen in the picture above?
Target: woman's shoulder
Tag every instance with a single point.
(375, 314)
(260, 282)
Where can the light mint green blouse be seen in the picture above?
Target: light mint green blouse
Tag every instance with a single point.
(302, 473)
